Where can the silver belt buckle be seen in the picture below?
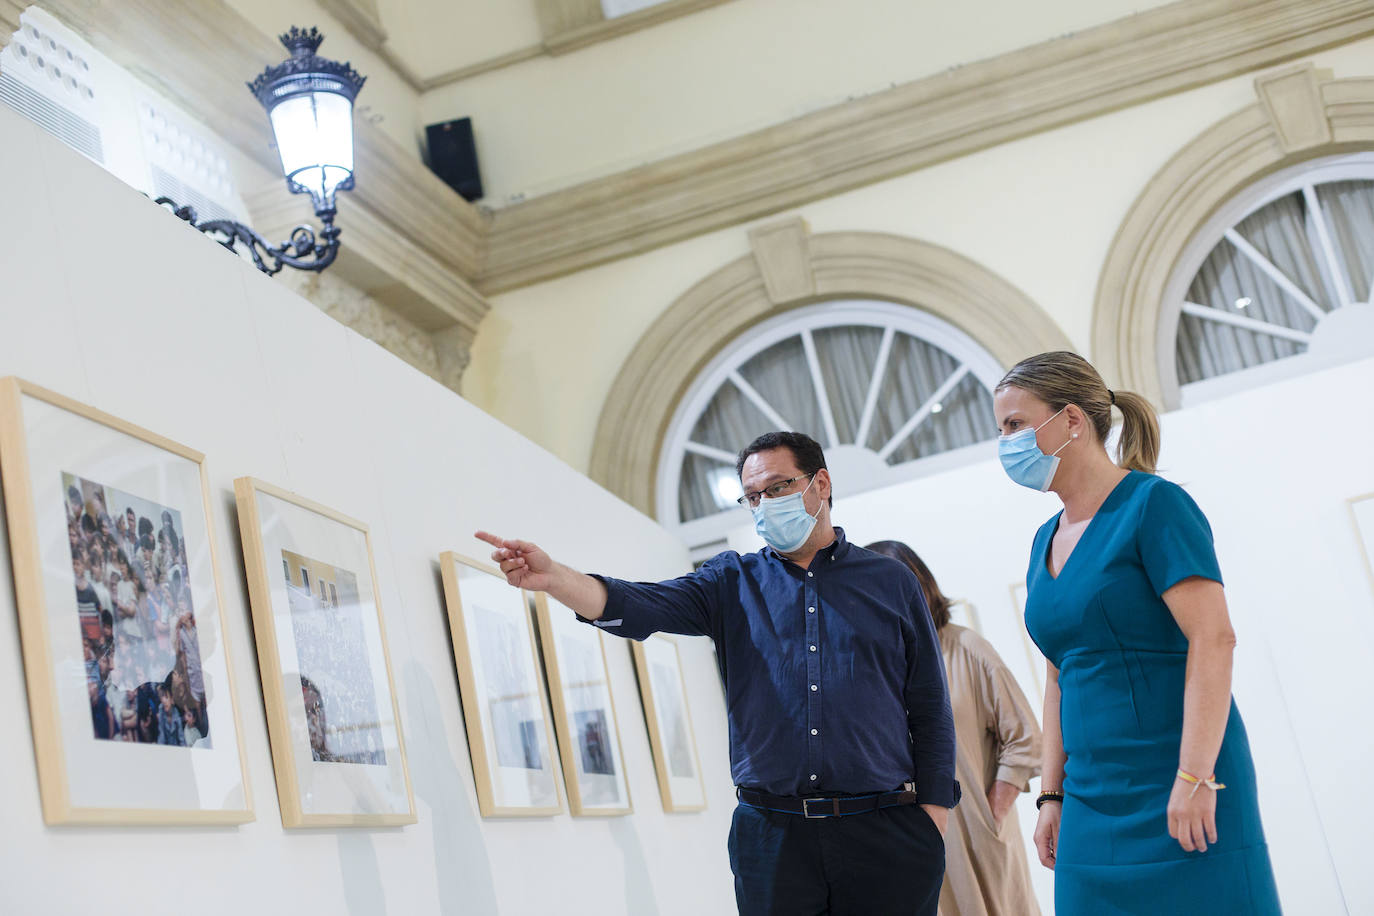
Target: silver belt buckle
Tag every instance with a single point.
(806, 812)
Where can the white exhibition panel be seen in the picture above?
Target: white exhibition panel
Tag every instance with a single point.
(1274, 469)
(113, 301)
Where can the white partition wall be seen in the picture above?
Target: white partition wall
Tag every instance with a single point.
(113, 301)
(1273, 468)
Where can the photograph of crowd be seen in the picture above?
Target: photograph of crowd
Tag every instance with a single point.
(136, 617)
(672, 713)
(510, 686)
(335, 670)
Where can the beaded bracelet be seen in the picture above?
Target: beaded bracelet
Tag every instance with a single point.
(1210, 782)
(1049, 795)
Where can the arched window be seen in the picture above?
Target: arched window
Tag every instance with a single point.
(884, 388)
(1284, 268)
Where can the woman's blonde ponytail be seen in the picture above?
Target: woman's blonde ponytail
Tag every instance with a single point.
(1138, 447)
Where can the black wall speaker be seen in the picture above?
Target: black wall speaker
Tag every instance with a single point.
(453, 156)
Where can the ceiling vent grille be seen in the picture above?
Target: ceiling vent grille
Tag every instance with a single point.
(51, 76)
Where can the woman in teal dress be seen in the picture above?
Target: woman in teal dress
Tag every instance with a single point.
(1148, 802)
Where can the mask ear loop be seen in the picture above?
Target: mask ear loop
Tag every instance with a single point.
(1066, 441)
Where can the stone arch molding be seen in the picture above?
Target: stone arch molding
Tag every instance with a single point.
(788, 268)
(1301, 113)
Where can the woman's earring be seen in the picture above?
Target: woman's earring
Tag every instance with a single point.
(1074, 435)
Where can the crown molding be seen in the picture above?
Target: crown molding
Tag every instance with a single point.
(900, 130)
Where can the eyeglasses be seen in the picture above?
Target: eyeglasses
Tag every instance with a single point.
(773, 491)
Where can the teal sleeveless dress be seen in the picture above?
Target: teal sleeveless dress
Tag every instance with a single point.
(1121, 660)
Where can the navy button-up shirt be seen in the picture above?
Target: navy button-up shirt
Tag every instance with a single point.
(834, 682)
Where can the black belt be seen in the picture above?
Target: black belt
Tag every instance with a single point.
(838, 806)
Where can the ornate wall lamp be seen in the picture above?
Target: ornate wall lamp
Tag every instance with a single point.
(309, 101)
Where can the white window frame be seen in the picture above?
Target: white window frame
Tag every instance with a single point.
(1348, 167)
(801, 322)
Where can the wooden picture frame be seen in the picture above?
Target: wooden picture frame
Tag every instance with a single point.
(585, 721)
(510, 736)
(1034, 659)
(671, 737)
(1362, 518)
(126, 655)
(332, 714)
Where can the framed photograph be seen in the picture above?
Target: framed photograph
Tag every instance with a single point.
(1362, 515)
(332, 714)
(1033, 656)
(583, 712)
(670, 724)
(509, 734)
(963, 613)
(121, 618)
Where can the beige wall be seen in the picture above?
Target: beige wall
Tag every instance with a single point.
(1041, 212)
(738, 67)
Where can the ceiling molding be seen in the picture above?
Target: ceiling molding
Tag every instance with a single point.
(426, 239)
(900, 130)
(572, 24)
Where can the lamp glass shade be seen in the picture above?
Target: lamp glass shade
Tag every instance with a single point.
(314, 132)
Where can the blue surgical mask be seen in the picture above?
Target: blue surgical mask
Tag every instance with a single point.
(1024, 462)
(783, 522)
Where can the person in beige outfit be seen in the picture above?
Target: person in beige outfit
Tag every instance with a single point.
(998, 743)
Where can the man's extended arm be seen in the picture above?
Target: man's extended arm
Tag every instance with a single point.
(633, 610)
(527, 566)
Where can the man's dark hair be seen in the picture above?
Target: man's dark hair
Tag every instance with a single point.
(805, 451)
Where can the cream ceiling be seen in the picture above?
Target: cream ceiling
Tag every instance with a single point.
(435, 37)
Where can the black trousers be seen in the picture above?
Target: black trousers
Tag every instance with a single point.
(889, 861)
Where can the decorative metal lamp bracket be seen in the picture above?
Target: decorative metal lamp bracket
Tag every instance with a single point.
(305, 249)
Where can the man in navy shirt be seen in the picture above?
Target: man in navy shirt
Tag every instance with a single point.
(841, 736)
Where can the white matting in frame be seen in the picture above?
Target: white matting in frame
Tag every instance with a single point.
(332, 713)
(671, 737)
(121, 617)
(583, 711)
(509, 735)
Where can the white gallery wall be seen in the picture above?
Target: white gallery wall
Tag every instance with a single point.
(1272, 468)
(113, 301)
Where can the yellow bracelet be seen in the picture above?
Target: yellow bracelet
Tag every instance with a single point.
(1210, 782)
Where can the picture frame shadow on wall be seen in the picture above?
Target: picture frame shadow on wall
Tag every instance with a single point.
(1033, 656)
(671, 737)
(333, 718)
(510, 736)
(121, 618)
(1362, 517)
(584, 715)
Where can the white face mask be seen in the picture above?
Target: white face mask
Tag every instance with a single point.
(783, 522)
(1024, 462)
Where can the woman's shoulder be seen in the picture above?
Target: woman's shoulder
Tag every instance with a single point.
(971, 644)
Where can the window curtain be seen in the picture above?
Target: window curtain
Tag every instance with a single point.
(847, 357)
(1284, 232)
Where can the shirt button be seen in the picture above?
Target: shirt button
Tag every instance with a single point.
(813, 777)
(814, 732)
(810, 610)
(813, 648)
(810, 574)
(814, 687)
